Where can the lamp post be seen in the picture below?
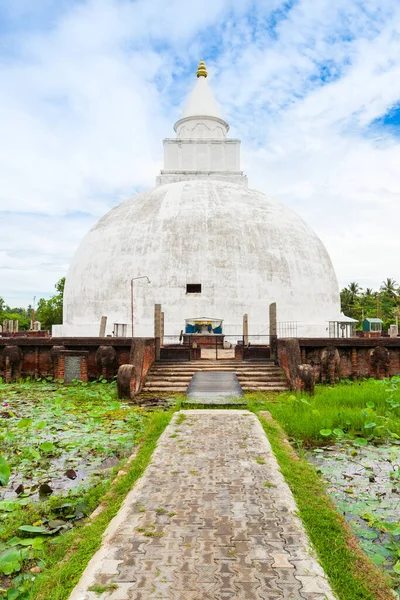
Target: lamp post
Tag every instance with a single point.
(132, 280)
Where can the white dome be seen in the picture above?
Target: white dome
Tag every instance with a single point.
(245, 249)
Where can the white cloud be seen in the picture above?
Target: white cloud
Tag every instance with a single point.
(87, 97)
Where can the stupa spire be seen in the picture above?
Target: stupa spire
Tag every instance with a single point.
(201, 101)
(202, 69)
(201, 149)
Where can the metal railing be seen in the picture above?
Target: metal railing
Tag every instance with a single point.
(287, 329)
(220, 346)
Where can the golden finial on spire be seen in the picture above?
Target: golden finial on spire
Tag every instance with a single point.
(202, 70)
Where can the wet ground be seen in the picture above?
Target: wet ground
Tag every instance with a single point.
(58, 477)
(54, 439)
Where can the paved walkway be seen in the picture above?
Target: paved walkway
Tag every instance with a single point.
(215, 388)
(211, 518)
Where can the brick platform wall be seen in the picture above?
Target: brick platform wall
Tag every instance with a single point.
(354, 357)
(38, 359)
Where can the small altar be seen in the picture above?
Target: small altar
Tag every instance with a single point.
(205, 332)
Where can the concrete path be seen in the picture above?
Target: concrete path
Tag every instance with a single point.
(211, 518)
(215, 387)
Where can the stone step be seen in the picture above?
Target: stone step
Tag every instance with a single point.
(182, 389)
(202, 363)
(267, 369)
(164, 389)
(171, 376)
(256, 384)
(241, 376)
(153, 379)
(275, 388)
(215, 363)
(241, 373)
(167, 384)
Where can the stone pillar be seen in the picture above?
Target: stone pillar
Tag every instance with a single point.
(131, 377)
(7, 370)
(103, 325)
(246, 329)
(157, 329)
(10, 325)
(273, 329)
(16, 325)
(162, 328)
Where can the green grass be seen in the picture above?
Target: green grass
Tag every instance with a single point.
(346, 408)
(350, 572)
(99, 589)
(68, 556)
(180, 418)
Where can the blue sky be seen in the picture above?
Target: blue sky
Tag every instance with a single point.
(90, 88)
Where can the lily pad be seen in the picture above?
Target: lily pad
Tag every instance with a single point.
(325, 432)
(10, 561)
(5, 471)
(360, 442)
(24, 423)
(47, 447)
(35, 529)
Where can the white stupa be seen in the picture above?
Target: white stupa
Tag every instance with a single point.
(209, 245)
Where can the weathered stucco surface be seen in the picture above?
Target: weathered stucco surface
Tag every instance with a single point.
(203, 226)
(245, 249)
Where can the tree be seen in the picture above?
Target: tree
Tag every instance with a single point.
(389, 287)
(49, 312)
(354, 290)
(350, 299)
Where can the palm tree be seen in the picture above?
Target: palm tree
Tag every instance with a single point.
(368, 292)
(389, 287)
(354, 290)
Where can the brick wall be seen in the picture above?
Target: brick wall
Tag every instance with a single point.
(334, 358)
(39, 358)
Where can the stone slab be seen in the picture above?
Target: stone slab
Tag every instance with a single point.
(215, 387)
(72, 369)
(211, 518)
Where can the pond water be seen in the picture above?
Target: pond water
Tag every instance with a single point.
(365, 486)
(56, 439)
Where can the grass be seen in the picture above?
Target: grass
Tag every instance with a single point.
(370, 409)
(350, 572)
(100, 589)
(180, 418)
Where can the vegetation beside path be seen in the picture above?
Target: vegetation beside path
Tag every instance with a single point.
(49, 429)
(77, 547)
(368, 410)
(60, 449)
(351, 573)
(351, 432)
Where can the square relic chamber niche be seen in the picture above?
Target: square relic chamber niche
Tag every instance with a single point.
(193, 288)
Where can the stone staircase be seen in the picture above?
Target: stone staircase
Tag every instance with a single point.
(173, 376)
